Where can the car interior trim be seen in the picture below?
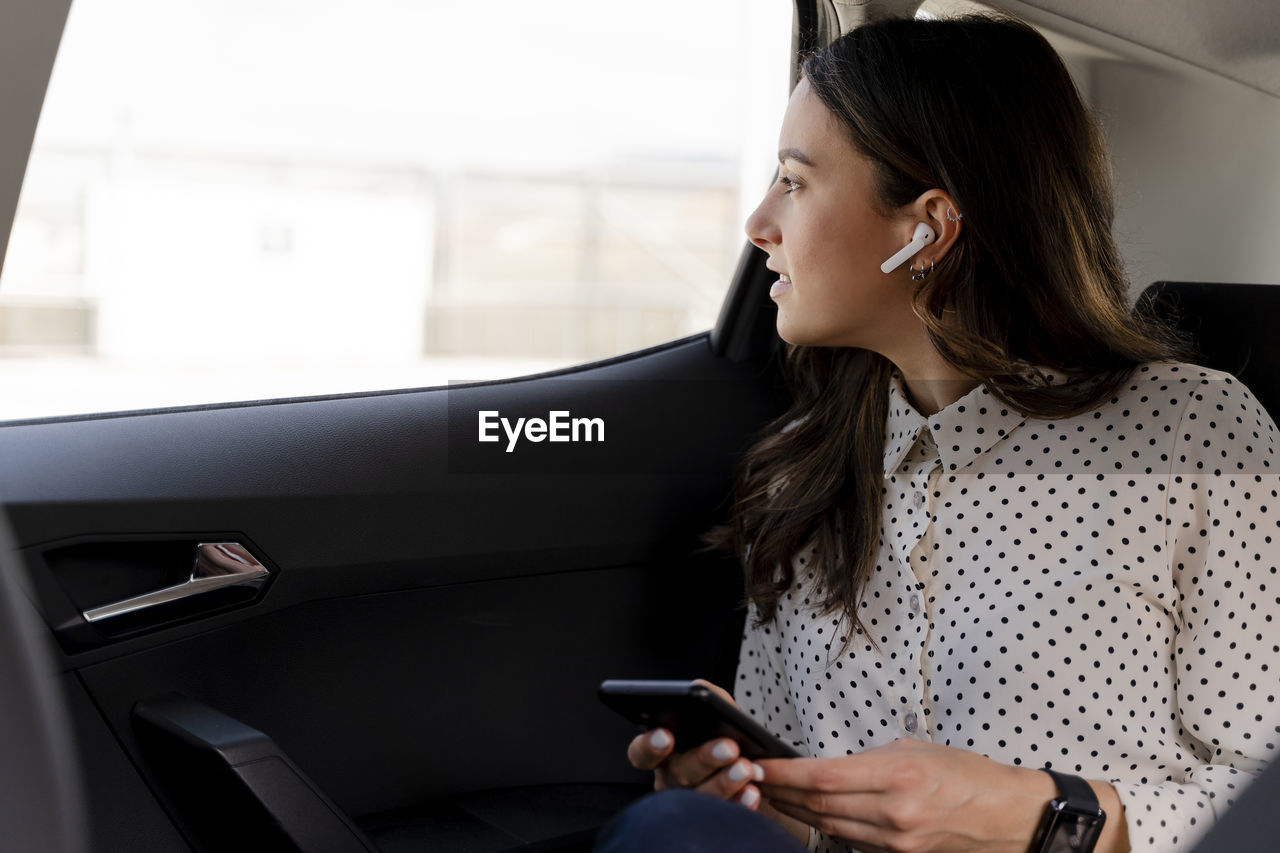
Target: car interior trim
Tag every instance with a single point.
(217, 565)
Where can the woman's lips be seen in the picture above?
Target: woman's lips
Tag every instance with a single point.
(781, 286)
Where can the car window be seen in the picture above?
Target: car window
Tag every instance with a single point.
(255, 199)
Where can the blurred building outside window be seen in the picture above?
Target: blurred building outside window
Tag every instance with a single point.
(257, 199)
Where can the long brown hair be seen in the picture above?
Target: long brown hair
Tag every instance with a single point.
(982, 107)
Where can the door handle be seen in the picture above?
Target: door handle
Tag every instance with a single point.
(218, 565)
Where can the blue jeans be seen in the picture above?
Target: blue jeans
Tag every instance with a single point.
(681, 821)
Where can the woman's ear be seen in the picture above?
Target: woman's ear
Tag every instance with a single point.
(939, 210)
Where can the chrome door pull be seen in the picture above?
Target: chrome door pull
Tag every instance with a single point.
(218, 565)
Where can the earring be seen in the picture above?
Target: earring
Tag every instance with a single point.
(922, 273)
(956, 218)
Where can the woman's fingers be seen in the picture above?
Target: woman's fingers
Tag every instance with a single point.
(734, 783)
(655, 750)
(647, 751)
(690, 769)
(859, 807)
(749, 797)
(715, 767)
(718, 690)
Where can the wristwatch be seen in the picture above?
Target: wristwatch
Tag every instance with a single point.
(1072, 821)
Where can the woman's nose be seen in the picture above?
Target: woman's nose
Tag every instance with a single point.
(760, 227)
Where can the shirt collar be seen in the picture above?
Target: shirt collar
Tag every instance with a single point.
(903, 426)
(962, 431)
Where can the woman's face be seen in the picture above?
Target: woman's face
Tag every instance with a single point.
(826, 240)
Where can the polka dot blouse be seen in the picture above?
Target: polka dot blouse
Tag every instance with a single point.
(1097, 594)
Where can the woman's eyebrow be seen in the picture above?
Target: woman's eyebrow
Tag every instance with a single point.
(794, 154)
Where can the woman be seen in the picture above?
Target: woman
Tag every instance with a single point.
(1001, 529)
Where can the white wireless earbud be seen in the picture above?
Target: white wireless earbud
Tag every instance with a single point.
(924, 236)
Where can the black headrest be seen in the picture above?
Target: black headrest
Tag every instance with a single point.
(1234, 327)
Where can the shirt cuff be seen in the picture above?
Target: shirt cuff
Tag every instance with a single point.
(1166, 818)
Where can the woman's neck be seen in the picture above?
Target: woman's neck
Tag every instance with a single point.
(931, 382)
(932, 395)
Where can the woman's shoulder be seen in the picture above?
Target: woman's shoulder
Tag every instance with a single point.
(1190, 385)
(1211, 411)
(1174, 398)
(1175, 374)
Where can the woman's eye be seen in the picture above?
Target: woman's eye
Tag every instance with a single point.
(791, 186)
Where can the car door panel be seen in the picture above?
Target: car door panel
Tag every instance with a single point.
(389, 699)
(440, 613)
(123, 814)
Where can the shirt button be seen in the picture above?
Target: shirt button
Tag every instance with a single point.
(910, 722)
(917, 499)
(915, 604)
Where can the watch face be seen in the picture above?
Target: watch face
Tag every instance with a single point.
(1072, 830)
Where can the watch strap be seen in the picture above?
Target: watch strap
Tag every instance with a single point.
(1074, 789)
(1073, 821)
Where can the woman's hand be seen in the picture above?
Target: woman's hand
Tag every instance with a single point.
(714, 768)
(915, 796)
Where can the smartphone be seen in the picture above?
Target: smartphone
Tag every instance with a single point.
(693, 714)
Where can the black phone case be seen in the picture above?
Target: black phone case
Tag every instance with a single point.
(693, 714)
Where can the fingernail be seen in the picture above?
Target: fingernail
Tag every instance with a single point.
(722, 751)
(757, 772)
(750, 797)
(739, 772)
(660, 739)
